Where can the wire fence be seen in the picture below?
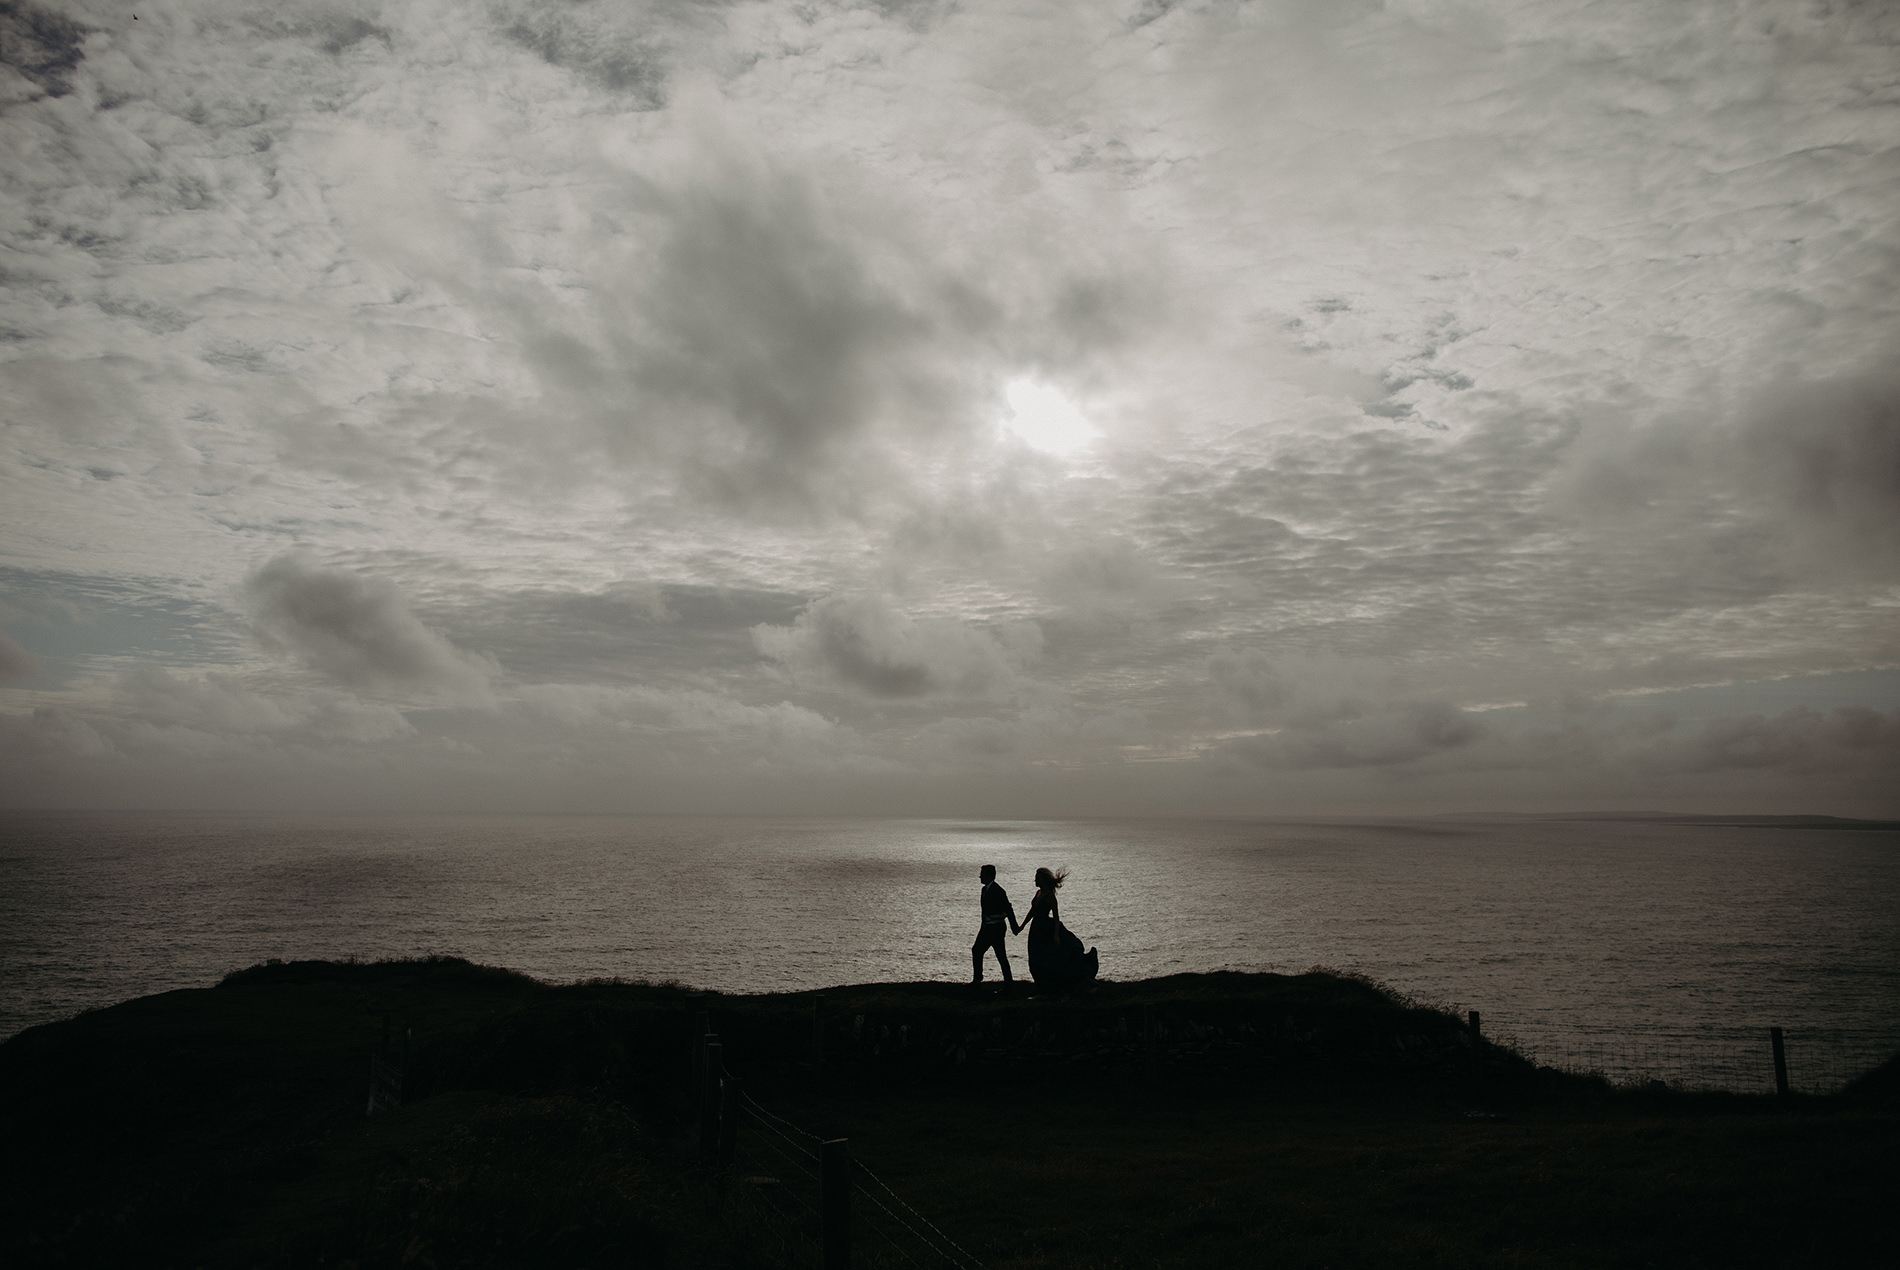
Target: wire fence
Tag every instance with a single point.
(775, 1179)
(780, 1181)
(1819, 1060)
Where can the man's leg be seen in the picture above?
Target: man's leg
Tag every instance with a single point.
(976, 954)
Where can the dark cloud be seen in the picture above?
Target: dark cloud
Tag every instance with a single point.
(915, 15)
(160, 319)
(1390, 736)
(1402, 734)
(345, 32)
(17, 666)
(1828, 454)
(1797, 491)
(617, 634)
(1248, 686)
(205, 711)
(213, 704)
(43, 46)
(43, 737)
(1849, 750)
(1849, 740)
(862, 642)
(586, 39)
(770, 338)
(333, 26)
(358, 631)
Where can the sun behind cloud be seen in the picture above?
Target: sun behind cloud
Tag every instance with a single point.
(906, 406)
(1045, 419)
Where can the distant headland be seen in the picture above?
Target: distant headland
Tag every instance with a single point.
(1687, 818)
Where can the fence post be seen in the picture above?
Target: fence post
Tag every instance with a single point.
(696, 1040)
(729, 1099)
(835, 1170)
(818, 1031)
(387, 1067)
(1476, 1024)
(1781, 1062)
(709, 1098)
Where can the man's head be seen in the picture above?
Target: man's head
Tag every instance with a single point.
(986, 874)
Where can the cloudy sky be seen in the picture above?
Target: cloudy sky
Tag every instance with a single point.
(945, 407)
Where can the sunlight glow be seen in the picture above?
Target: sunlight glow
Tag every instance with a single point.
(1046, 419)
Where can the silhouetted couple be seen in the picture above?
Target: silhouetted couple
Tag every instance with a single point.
(1056, 959)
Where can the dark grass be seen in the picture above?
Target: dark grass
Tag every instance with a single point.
(1308, 1120)
(1238, 1176)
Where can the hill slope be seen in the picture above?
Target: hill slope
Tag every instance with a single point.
(1194, 1120)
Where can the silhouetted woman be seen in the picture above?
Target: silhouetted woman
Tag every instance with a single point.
(1056, 959)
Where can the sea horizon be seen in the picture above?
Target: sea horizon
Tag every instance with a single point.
(1565, 931)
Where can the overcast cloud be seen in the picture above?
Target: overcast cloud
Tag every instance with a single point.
(633, 407)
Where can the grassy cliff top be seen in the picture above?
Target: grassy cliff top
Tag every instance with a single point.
(1312, 1119)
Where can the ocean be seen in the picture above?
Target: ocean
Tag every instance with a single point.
(1641, 948)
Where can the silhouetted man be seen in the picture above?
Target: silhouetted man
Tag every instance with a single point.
(996, 911)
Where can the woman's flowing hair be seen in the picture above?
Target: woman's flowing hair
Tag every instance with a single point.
(1050, 879)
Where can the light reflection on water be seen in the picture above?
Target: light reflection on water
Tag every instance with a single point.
(1567, 935)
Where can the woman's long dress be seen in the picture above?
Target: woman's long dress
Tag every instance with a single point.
(1056, 959)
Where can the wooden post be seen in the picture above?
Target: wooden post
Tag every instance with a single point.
(1781, 1062)
(709, 1098)
(386, 1070)
(696, 1077)
(1477, 1031)
(729, 1102)
(818, 1031)
(701, 1029)
(835, 1176)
